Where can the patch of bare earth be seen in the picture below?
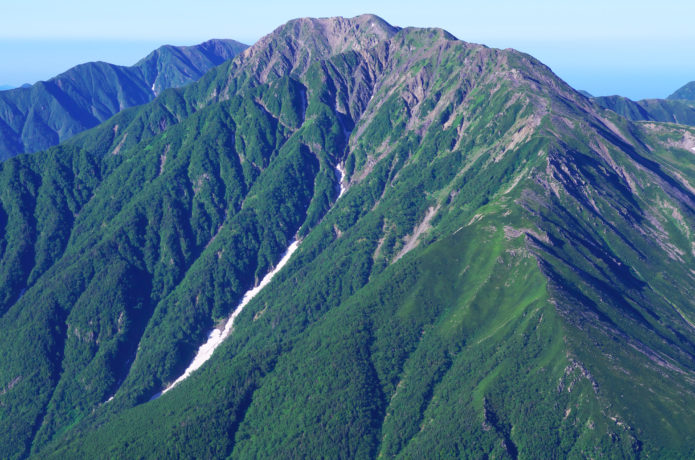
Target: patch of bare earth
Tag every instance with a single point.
(163, 159)
(120, 144)
(511, 232)
(412, 240)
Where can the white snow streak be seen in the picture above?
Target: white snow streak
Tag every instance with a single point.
(216, 336)
(339, 168)
(341, 179)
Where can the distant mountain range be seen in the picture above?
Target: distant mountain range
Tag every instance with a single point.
(46, 113)
(678, 108)
(685, 92)
(663, 110)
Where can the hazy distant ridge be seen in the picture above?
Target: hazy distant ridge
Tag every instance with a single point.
(685, 92)
(49, 112)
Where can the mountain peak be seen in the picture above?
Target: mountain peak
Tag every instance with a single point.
(685, 92)
(299, 40)
(509, 270)
(339, 30)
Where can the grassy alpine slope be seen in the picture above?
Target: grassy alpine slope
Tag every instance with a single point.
(508, 274)
(49, 112)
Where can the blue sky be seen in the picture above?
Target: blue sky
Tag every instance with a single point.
(634, 48)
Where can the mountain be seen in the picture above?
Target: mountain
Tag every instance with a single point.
(5, 87)
(663, 110)
(487, 264)
(686, 92)
(42, 115)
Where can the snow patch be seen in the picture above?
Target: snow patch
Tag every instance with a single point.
(340, 170)
(216, 336)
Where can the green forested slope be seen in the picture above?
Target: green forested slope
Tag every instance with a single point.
(508, 275)
(49, 112)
